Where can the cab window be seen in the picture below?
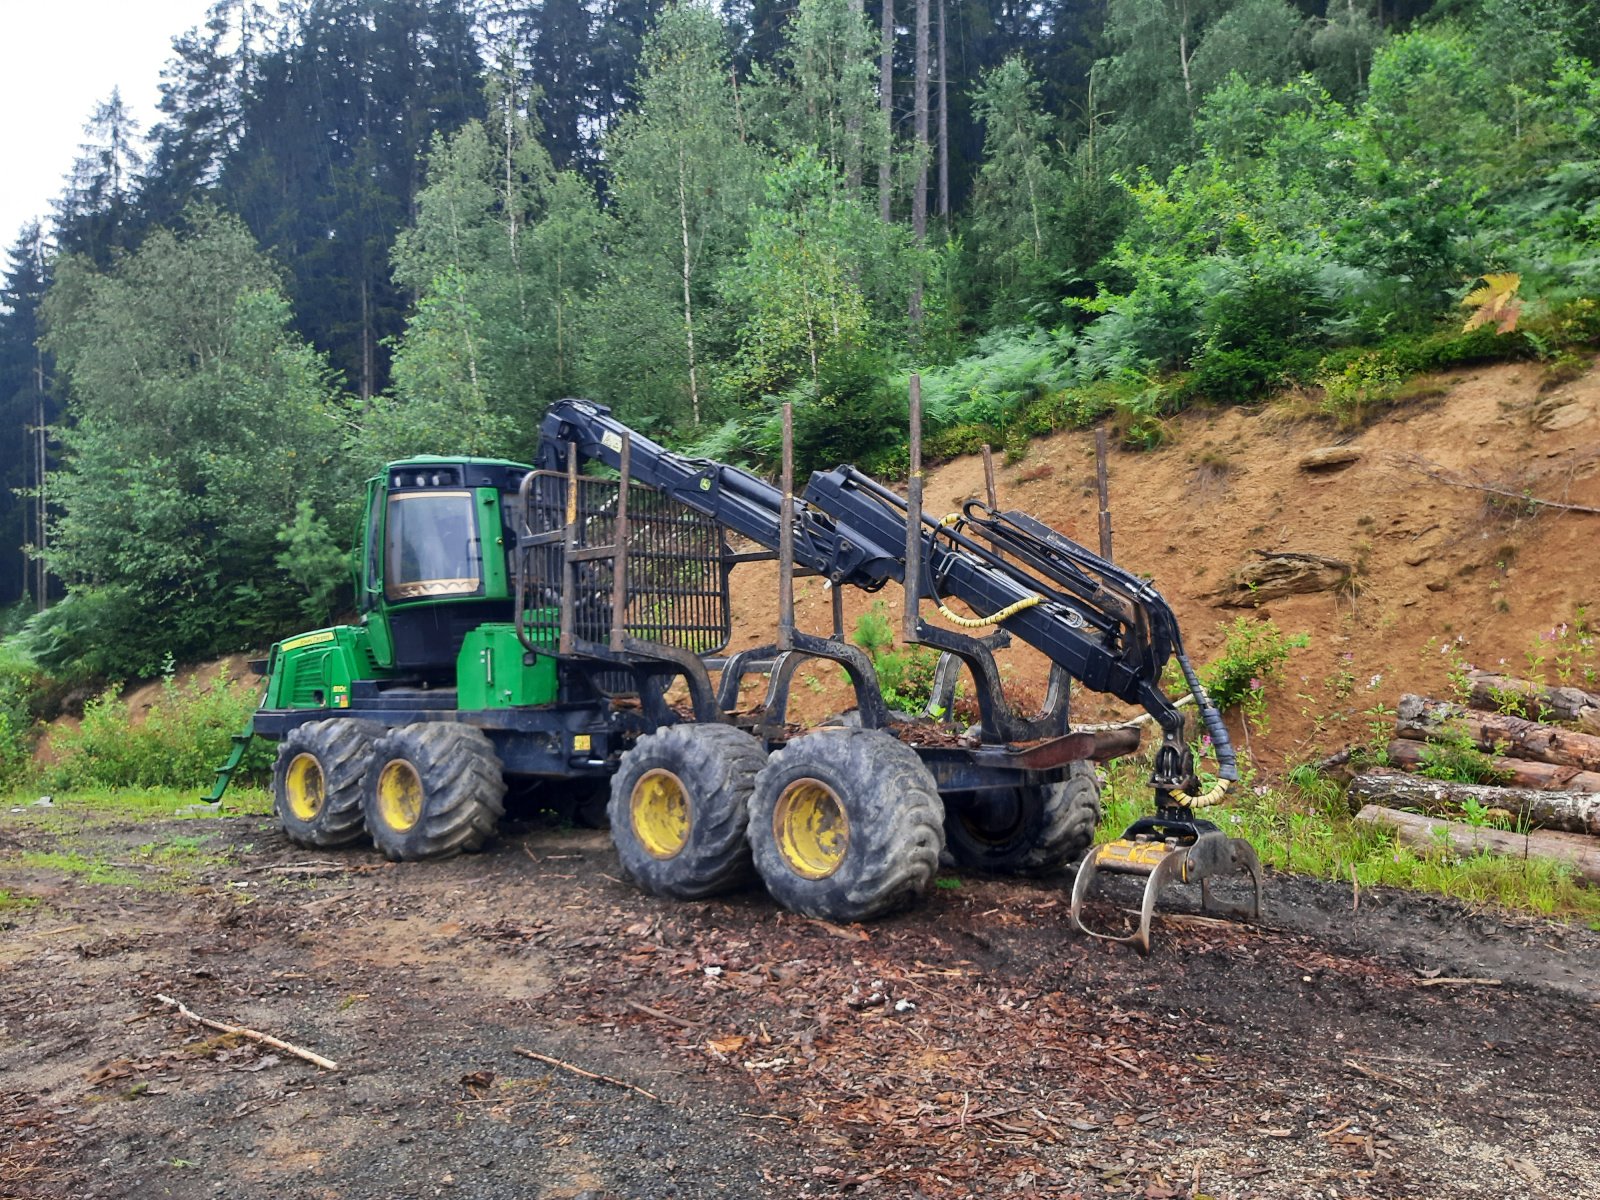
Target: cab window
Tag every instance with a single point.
(431, 546)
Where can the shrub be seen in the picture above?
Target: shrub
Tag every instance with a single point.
(181, 740)
(1252, 656)
(27, 694)
(904, 675)
(1454, 757)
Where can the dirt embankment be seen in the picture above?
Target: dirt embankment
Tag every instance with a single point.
(1440, 572)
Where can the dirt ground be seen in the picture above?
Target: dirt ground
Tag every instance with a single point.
(974, 1047)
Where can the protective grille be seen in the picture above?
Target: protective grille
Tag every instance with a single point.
(677, 575)
(309, 685)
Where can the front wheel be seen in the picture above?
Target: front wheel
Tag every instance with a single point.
(1025, 830)
(316, 781)
(434, 790)
(846, 825)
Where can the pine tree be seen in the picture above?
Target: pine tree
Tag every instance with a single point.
(886, 113)
(28, 408)
(204, 88)
(93, 213)
(1017, 187)
(331, 158)
(920, 148)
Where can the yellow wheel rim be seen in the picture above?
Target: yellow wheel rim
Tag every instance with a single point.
(303, 787)
(811, 828)
(399, 795)
(659, 808)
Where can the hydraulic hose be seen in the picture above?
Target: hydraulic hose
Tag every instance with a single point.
(1227, 762)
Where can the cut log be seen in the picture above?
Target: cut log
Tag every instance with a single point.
(1570, 812)
(1427, 833)
(1514, 772)
(1280, 573)
(1535, 701)
(1420, 719)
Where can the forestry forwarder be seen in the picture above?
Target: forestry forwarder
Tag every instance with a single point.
(522, 626)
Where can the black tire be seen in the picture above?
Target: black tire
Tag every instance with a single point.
(591, 805)
(434, 790)
(846, 825)
(1025, 831)
(316, 781)
(679, 803)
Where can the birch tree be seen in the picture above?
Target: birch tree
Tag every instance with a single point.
(683, 185)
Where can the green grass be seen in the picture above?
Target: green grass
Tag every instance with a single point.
(1308, 831)
(12, 901)
(113, 804)
(90, 870)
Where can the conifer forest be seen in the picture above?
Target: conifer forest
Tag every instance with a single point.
(362, 229)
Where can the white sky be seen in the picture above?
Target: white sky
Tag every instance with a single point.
(62, 58)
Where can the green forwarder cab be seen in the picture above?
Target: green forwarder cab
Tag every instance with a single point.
(432, 702)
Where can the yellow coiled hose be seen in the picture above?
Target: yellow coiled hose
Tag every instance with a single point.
(1215, 794)
(1009, 610)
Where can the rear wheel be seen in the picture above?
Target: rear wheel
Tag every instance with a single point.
(434, 790)
(679, 802)
(846, 825)
(1025, 830)
(316, 781)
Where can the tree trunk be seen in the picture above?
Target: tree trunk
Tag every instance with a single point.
(886, 105)
(41, 528)
(1514, 772)
(852, 120)
(1420, 719)
(1426, 833)
(1570, 812)
(1183, 55)
(688, 302)
(1536, 701)
(944, 124)
(919, 192)
(368, 367)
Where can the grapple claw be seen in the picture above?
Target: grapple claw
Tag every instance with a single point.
(1169, 850)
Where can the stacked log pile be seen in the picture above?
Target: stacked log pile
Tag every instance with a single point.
(1545, 748)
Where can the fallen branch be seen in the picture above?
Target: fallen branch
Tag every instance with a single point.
(1442, 474)
(566, 1066)
(255, 1035)
(1425, 833)
(661, 1016)
(1460, 981)
(1353, 1065)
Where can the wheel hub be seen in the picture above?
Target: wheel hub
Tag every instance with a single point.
(811, 828)
(304, 788)
(659, 808)
(399, 795)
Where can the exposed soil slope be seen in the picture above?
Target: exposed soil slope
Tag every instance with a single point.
(1442, 572)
